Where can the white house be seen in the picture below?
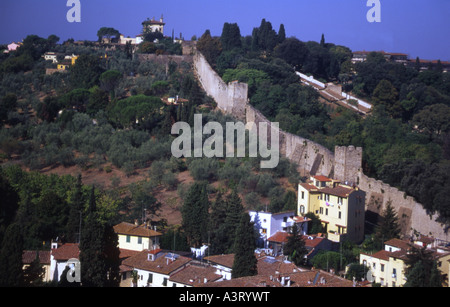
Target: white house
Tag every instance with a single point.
(154, 268)
(222, 263)
(267, 224)
(62, 256)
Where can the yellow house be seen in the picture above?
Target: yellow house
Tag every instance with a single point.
(387, 267)
(74, 59)
(137, 237)
(340, 208)
(63, 66)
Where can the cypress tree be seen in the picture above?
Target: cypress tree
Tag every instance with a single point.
(388, 227)
(99, 252)
(73, 225)
(245, 262)
(217, 232)
(11, 274)
(295, 247)
(281, 34)
(232, 219)
(195, 214)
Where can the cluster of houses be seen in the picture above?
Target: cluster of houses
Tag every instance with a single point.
(340, 209)
(361, 56)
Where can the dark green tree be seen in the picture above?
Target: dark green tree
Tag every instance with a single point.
(75, 213)
(281, 34)
(195, 214)
(108, 33)
(231, 36)
(11, 274)
(99, 253)
(9, 204)
(210, 47)
(245, 262)
(233, 217)
(34, 273)
(293, 51)
(387, 227)
(295, 247)
(216, 227)
(86, 72)
(421, 268)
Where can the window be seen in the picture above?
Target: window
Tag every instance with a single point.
(326, 211)
(340, 215)
(321, 210)
(302, 209)
(327, 197)
(264, 231)
(303, 195)
(128, 239)
(382, 268)
(340, 201)
(139, 240)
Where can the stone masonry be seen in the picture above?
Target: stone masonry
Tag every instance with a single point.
(345, 164)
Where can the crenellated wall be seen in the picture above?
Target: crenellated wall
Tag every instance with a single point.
(345, 164)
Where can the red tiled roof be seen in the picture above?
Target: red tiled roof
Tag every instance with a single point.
(126, 253)
(297, 279)
(133, 230)
(66, 251)
(224, 260)
(309, 187)
(337, 191)
(29, 256)
(195, 274)
(404, 245)
(279, 237)
(322, 178)
(160, 265)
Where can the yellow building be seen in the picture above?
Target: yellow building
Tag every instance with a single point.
(74, 59)
(387, 267)
(137, 237)
(340, 207)
(63, 66)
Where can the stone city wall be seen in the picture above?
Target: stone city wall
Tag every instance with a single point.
(345, 164)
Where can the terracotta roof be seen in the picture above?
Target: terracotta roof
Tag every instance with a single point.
(309, 187)
(160, 265)
(125, 228)
(126, 253)
(195, 274)
(29, 256)
(279, 237)
(153, 22)
(224, 260)
(404, 245)
(337, 191)
(66, 251)
(297, 279)
(322, 178)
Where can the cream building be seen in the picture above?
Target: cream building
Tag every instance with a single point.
(152, 25)
(387, 267)
(137, 237)
(340, 208)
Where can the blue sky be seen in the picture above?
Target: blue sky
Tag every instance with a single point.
(416, 27)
